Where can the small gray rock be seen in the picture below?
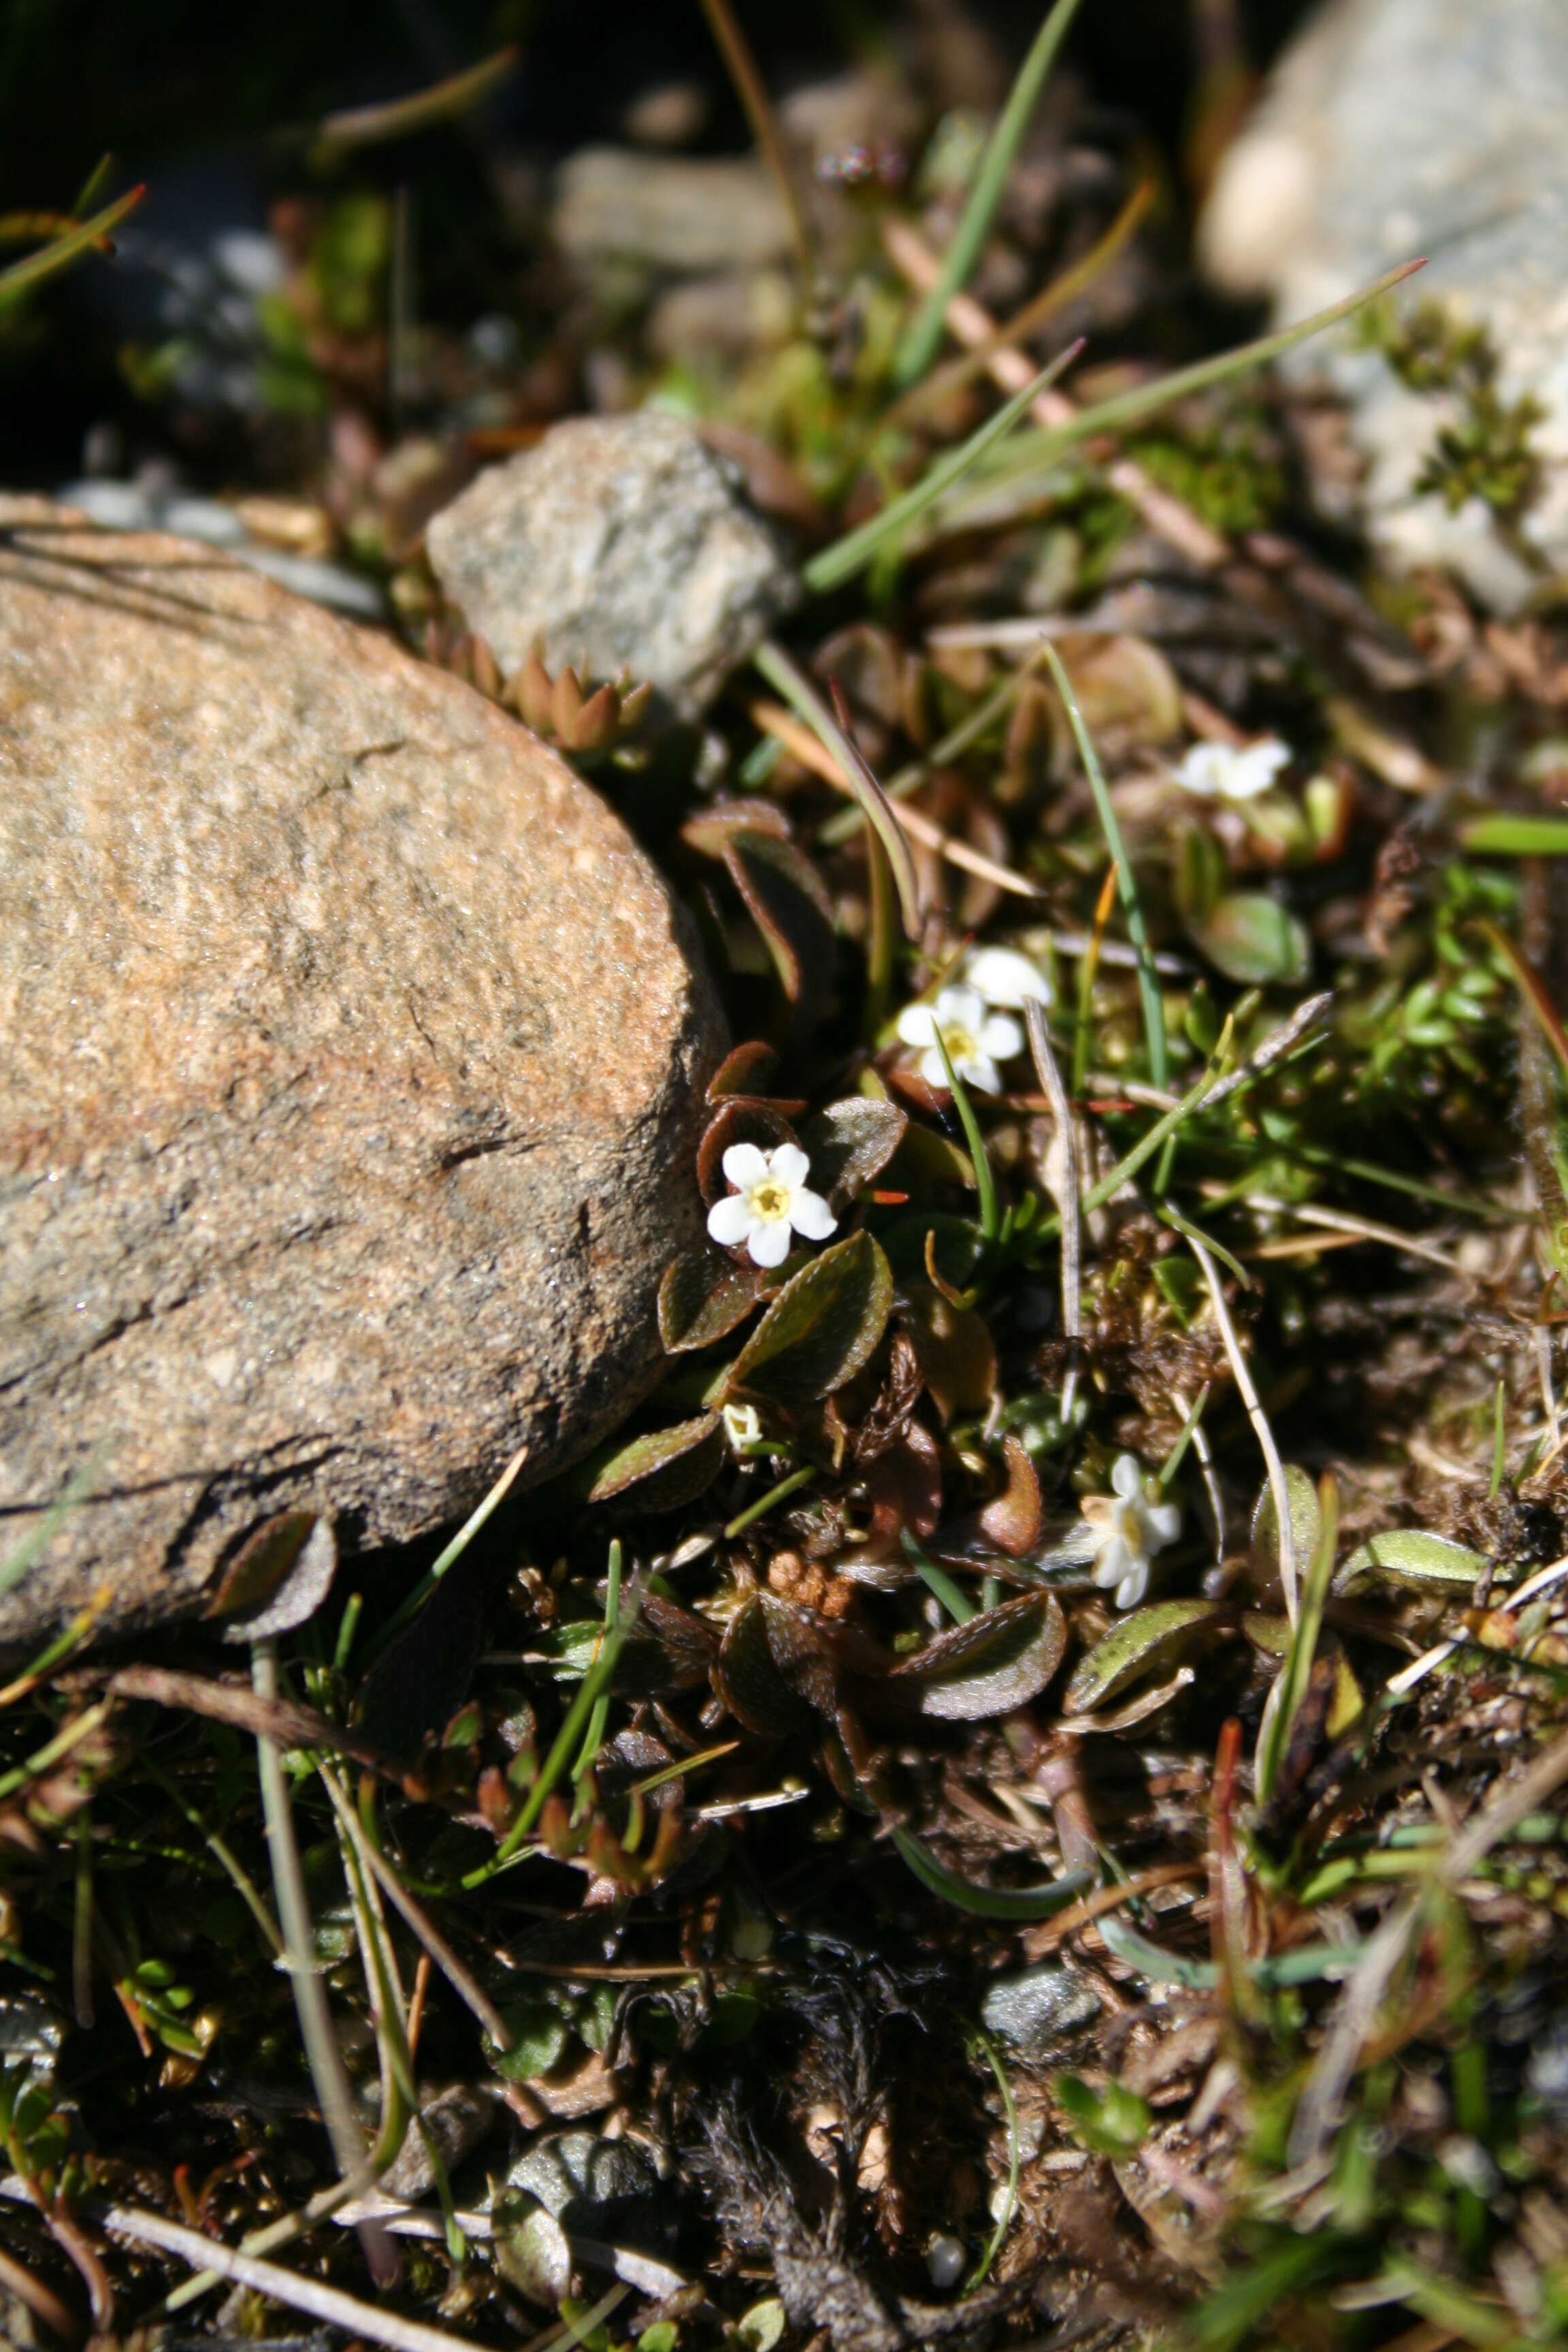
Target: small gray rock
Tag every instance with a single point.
(1398, 128)
(1039, 2008)
(457, 2119)
(623, 542)
(669, 213)
(353, 1057)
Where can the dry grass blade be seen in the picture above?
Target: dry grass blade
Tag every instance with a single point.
(803, 746)
(853, 773)
(330, 2304)
(752, 93)
(1050, 1079)
(41, 2300)
(264, 1717)
(1258, 1419)
(399, 118)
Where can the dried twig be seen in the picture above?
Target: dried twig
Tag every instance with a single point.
(1258, 1419)
(1067, 1199)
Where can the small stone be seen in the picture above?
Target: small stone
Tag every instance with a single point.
(621, 542)
(1039, 2008)
(669, 213)
(1398, 128)
(352, 1068)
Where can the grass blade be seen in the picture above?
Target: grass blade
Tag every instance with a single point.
(1148, 982)
(855, 550)
(781, 675)
(918, 349)
(1037, 450)
(757, 107)
(989, 1902)
(64, 250)
(984, 1182)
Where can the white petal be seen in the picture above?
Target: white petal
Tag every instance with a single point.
(768, 1240)
(789, 1163)
(916, 1024)
(1133, 1585)
(1112, 1562)
(744, 1165)
(1127, 1476)
(932, 1069)
(810, 1214)
(1164, 1524)
(730, 1219)
(1004, 977)
(1205, 769)
(960, 1008)
(980, 1070)
(1001, 1037)
(1254, 769)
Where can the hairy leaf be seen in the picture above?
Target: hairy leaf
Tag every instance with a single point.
(667, 1467)
(850, 1142)
(788, 902)
(704, 1296)
(1419, 1561)
(747, 1678)
(999, 1660)
(821, 1329)
(1149, 1641)
(1251, 938)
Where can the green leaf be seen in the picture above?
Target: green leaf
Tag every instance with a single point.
(761, 2327)
(1016, 1903)
(540, 2034)
(664, 1469)
(1112, 2122)
(1516, 836)
(821, 1329)
(996, 1660)
(1149, 1640)
(1306, 1522)
(850, 1142)
(1251, 938)
(1419, 1561)
(704, 1296)
(954, 1345)
(788, 902)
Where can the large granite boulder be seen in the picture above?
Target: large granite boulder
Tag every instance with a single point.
(1396, 128)
(352, 1054)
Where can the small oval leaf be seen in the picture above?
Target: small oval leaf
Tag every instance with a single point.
(788, 902)
(667, 1467)
(278, 1577)
(954, 1345)
(1252, 938)
(750, 1683)
(999, 1660)
(739, 1120)
(850, 1142)
(1148, 1640)
(822, 1328)
(744, 1070)
(1418, 1561)
(704, 1296)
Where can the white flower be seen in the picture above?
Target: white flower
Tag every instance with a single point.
(770, 1198)
(1005, 978)
(743, 1426)
(1126, 1527)
(976, 1040)
(1223, 771)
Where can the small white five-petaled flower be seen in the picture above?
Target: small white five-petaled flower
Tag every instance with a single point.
(1228, 772)
(1126, 1529)
(1005, 977)
(769, 1202)
(976, 1039)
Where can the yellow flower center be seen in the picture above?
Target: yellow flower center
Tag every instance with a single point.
(960, 1045)
(769, 1199)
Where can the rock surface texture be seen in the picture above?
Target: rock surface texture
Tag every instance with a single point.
(1396, 128)
(352, 1061)
(622, 541)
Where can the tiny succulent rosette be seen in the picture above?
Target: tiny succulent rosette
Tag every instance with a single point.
(977, 1039)
(770, 1203)
(1232, 771)
(1126, 1528)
